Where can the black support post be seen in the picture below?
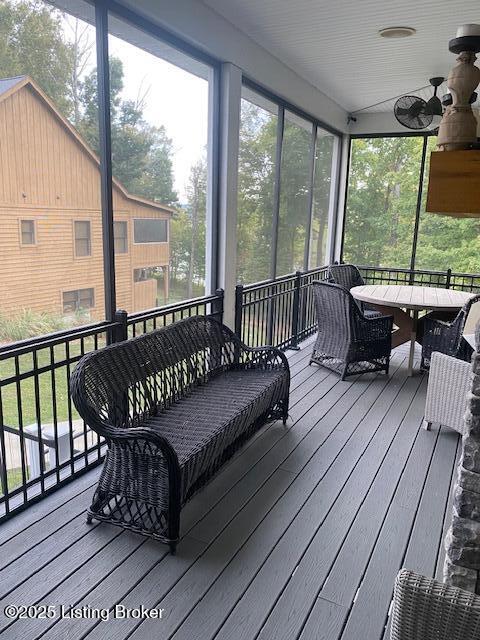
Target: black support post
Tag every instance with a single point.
(103, 87)
(238, 310)
(120, 332)
(296, 311)
(418, 208)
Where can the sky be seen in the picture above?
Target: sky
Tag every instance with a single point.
(174, 98)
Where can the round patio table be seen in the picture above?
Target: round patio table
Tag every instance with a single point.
(404, 302)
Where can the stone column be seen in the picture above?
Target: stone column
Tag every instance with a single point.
(462, 543)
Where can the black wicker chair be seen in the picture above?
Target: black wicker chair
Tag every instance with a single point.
(348, 342)
(173, 405)
(445, 335)
(348, 276)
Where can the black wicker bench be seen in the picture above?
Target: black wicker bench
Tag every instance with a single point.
(173, 406)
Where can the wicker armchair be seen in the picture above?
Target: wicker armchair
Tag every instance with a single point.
(424, 609)
(348, 342)
(173, 405)
(348, 276)
(445, 336)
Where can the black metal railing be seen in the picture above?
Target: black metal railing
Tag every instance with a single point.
(278, 312)
(43, 441)
(146, 321)
(422, 277)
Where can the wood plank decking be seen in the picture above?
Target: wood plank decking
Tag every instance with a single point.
(300, 536)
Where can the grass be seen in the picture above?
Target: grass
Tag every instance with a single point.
(15, 478)
(26, 388)
(48, 389)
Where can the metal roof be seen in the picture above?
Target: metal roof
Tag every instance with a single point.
(8, 83)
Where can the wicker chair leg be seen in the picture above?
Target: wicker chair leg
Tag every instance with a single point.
(89, 518)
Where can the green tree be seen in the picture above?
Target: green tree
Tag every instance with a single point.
(256, 173)
(32, 43)
(141, 152)
(189, 232)
(382, 196)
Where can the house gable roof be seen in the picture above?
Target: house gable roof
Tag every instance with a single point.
(8, 86)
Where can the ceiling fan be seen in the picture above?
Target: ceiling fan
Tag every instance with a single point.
(416, 113)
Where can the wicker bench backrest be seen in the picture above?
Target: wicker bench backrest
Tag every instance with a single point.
(335, 310)
(124, 383)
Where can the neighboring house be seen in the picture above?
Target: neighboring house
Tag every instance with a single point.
(50, 216)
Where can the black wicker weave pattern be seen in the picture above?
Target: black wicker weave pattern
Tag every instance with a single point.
(446, 337)
(348, 276)
(348, 342)
(173, 405)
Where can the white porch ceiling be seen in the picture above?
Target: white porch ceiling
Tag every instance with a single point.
(336, 47)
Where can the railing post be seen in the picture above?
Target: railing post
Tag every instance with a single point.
(217, 305)
(238, 309)
(296, 310)
(120, 332)
(449, 279)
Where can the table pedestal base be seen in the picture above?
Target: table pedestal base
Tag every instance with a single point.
(405, 329)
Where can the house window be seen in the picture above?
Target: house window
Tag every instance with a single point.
(78, 299)
(147, 230)
(27, 231)
(83, 242)
(120, 237)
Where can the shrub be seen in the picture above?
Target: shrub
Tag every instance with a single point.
(29, 324)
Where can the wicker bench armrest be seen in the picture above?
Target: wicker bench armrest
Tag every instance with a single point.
(424, 609)
(264, 357)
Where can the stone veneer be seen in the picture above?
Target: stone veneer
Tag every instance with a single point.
(462, 543)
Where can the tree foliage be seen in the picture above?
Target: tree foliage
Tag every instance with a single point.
(32, 43)
(256, 180)
(381, 205)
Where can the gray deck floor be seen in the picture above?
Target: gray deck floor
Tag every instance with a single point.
(300, 536)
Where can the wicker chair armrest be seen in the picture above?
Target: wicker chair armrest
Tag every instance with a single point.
(432, 323)
(424, 609)
(372, 328)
